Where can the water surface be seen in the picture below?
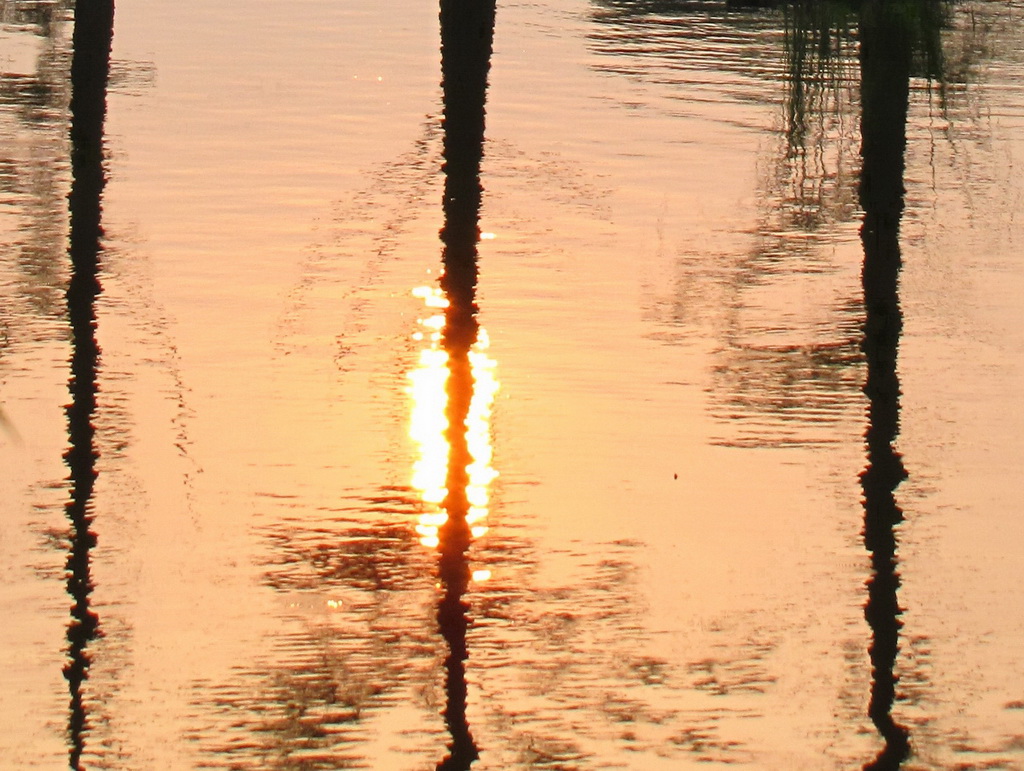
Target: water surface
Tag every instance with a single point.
(675, 467)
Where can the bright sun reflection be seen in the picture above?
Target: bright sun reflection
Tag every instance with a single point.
(428, 424)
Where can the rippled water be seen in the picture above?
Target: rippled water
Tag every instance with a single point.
(673, 468)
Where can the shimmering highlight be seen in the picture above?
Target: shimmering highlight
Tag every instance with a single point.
(428, 424)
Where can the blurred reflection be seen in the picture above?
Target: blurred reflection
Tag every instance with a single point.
(467, 32)
(34, 96)
(786, 393)
(784, 374)
(819, 48)
(689, 43)
(579, 679)
(779, 376)
(352, 642)
(787, 374)
(89, 70)
(886, 39)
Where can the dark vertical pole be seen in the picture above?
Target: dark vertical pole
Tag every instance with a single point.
(90, 67)
(467, 32)
(885, 55)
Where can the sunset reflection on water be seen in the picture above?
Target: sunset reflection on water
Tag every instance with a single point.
(429, 429)
(759, 413)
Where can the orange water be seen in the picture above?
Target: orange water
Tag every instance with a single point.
(668, 570)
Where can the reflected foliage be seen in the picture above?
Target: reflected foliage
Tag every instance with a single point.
(838, 57)
(574, 677)
(371, 558)
(810, 391)
(785, 371)
(687, 44)
(812, 199)
(819, 49)
(353, 645)
(34, 98)
(796, 391)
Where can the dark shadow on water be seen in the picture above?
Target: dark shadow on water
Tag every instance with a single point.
(89, 71)
(885, 57)
(467, 33)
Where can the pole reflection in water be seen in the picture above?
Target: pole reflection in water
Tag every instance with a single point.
(885, 54)
(454, 386)
(453, 390)
(89, 72)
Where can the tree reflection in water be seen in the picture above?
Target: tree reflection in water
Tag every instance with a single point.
(780, 378)
(788, 378)
(898, 41)
(32, 173)
(366, 647)
(467, 32)
(839, 56)
(783, 376)
(328, 699)
(885, 84)
(90, 67)
(811, 189)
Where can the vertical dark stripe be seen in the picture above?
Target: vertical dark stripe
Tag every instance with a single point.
(467, 32)
(885, 57)
(90, 67)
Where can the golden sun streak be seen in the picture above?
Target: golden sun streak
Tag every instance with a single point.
(428, 424)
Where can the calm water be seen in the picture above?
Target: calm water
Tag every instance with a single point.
(673, 468)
